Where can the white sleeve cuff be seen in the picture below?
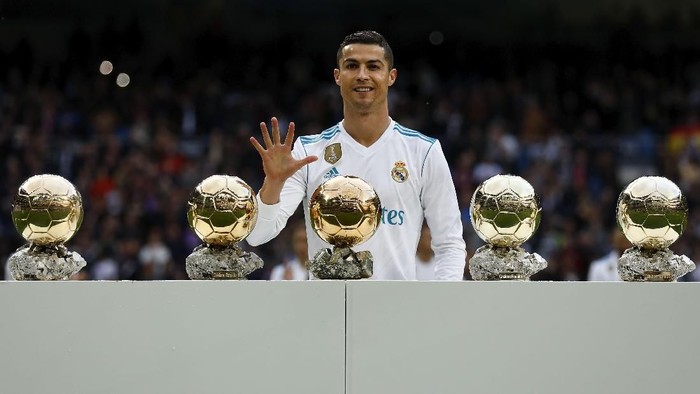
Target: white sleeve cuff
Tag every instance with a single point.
(267, 212)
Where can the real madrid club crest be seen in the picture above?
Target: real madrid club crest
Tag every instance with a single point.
(399, 173)
(333, 153)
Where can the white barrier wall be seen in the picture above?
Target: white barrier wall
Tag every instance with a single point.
(356, 337)
(172, 337)
(523, 337)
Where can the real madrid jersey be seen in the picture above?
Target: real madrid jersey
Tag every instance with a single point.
(409, 173)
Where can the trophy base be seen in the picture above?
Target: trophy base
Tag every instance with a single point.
(642, 265)
(209, 262)
(341, 263)
(499, 263)
(38, 262)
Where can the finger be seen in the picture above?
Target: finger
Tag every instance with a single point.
(289, 138)
(257, 145)
(302, 162)
(265, 134)
(306, 160)
(275, 131)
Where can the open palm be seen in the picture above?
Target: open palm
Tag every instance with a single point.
(278, 162)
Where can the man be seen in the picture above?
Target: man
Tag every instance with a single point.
(294, 268)
(604, 269)
(407, 169)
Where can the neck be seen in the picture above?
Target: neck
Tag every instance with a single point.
(366, 128)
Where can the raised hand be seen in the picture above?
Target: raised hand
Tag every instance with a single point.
(278, 162)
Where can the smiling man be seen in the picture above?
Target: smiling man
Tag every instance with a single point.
(407, 169)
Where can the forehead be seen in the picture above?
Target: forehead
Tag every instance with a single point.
(362, 53)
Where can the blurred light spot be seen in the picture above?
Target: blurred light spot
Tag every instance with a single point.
(106, 67)
(123, 80)
(436, 38)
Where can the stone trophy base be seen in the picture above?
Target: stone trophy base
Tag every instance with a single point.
(341, 263)
(500, 263)
(644, 265)
(39, 262)
(221, 262)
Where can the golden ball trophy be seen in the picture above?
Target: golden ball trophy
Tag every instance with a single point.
(653, 213)
(345, 211)
(505, 212)
(47, 211)
(222, 211)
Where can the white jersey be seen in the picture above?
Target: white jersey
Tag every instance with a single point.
(298, 270)
(425, 270)
(409, 173)
(604, 269)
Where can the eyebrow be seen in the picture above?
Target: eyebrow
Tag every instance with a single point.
(371, 61)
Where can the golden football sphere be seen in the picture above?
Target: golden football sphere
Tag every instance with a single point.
(47, 210)
(505, 211)
(222, 210)
(345, 211)
(652, 212)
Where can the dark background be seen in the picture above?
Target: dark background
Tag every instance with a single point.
(577, 97)
(139, 34)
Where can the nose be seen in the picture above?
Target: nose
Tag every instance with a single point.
(362, 73)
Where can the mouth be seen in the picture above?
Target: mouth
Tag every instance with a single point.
(363, 89)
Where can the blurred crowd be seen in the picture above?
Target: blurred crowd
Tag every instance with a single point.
(579, 123)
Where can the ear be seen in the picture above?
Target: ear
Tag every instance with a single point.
(336, 76)
(392, 76)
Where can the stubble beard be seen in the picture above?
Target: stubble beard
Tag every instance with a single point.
(364, 107)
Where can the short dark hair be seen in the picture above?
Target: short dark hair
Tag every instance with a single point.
(367, 37)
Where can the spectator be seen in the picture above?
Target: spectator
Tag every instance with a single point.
(294, 267)
(577, 124)
(604, 269)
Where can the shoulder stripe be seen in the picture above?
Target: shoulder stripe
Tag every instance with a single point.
(413, 133)
(425, 159)
(306, 167)
(325, 135)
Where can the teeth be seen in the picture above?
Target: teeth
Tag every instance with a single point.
(362, 89)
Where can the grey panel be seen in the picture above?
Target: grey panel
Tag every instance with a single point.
(522, 337)
(172, 337)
